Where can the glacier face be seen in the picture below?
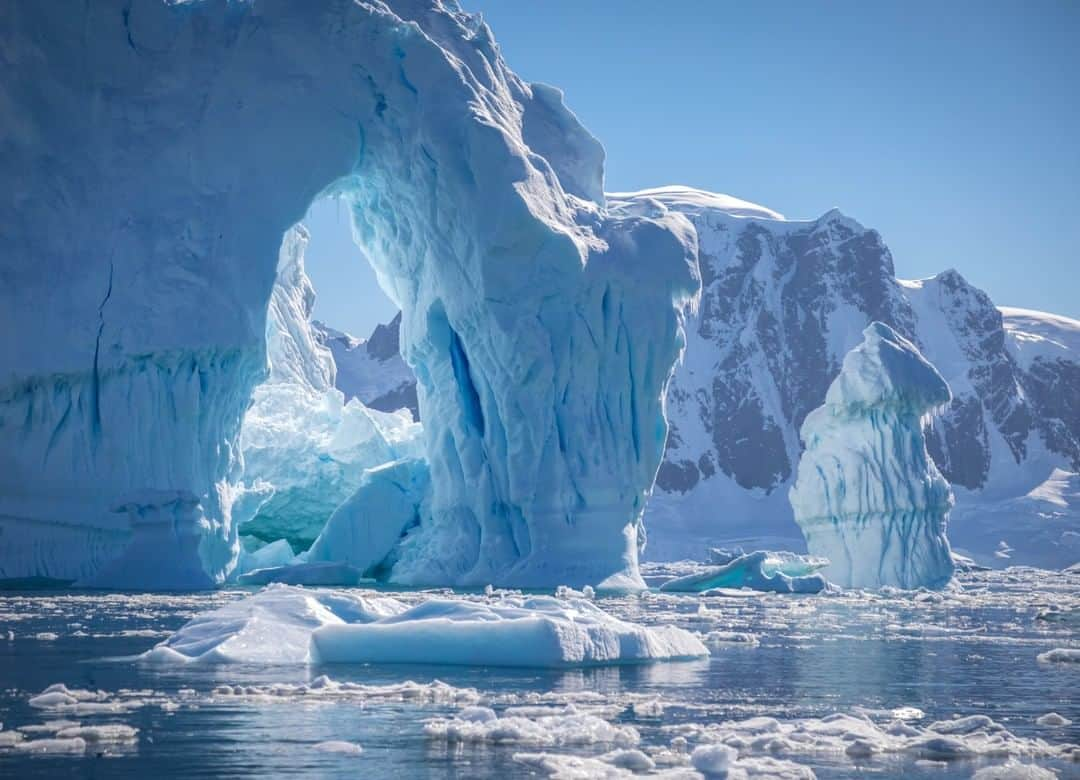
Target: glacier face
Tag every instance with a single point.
(867, 495)
(176, 145)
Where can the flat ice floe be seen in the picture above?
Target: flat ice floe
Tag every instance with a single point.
(283, 624)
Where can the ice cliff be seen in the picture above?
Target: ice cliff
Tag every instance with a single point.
(159, 152)
(867, 496)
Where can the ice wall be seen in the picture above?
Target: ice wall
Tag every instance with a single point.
(160, 151)
(867, 496)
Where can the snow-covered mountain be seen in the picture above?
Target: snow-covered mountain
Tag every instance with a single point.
(372, 369)
(783, 302)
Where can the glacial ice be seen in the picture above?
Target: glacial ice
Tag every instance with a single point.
(284, 624)
(778, 572)
(867, 497)
(304, 447)
(367, 527)
(142, 253)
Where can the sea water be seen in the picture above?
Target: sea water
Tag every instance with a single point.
(899, 660)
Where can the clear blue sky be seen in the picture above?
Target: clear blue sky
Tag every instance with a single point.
(953, 127)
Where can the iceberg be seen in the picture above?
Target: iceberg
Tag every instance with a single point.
(284, 624)
(867, 496)
(776, 572)
(143, 246)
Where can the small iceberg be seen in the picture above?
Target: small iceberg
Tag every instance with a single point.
(284, 624)
(774, 572)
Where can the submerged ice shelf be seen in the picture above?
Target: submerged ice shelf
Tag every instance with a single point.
(868, 497)
(282, 624)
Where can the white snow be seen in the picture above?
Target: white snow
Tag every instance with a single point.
(868, 497)
(283, 624)
(1037, 334)
(689, 200)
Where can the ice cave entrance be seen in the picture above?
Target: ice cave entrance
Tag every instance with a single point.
(306, 444)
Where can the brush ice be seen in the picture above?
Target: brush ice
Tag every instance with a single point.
(284, 624)
(867, 497)
(542, 326)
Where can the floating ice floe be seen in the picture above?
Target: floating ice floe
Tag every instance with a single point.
(283, 624)
(1061, 655)
(777, 572)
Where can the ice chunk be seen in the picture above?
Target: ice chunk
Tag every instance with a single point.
(779, 572)
(272, 627)
(1052, 720)
(339, 747)
(272, 555)
(283, 624)
(303, 573)
(366, 529)
(539, 631)
(713, 759)
(1064, 655)
(868, 497)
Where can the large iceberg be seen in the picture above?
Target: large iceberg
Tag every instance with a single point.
(867, 496)
(161, 151)
(283, 624)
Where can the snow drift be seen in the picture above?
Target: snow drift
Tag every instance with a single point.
(868, 497)
(163, 150)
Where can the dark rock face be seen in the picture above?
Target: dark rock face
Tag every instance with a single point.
(385, 341)
(1053, 388)
(782, 303)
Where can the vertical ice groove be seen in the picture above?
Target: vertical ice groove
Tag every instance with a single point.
(867, 496)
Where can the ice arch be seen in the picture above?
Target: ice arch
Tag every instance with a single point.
(158, 151)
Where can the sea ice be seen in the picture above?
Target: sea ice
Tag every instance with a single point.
(868, 497)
